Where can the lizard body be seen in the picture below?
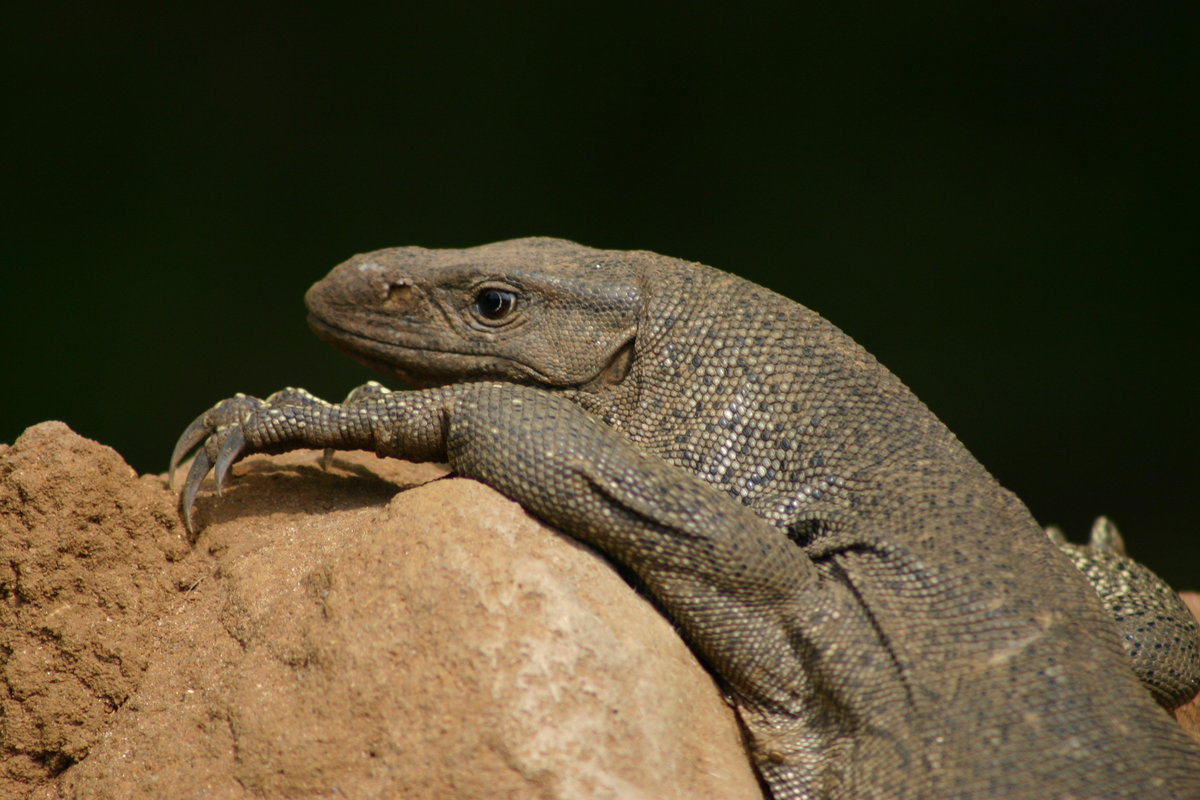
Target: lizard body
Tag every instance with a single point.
(887, 620)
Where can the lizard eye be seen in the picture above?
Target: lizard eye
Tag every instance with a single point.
(495, 304)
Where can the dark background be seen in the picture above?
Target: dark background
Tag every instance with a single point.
(998, 200)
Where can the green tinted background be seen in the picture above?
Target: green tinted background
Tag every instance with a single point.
(999, 200)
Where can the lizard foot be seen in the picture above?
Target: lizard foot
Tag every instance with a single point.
(220, 430)
(223, 431)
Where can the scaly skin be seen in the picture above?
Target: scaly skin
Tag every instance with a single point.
(887, 620)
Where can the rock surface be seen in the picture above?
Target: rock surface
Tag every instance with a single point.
(328, 635)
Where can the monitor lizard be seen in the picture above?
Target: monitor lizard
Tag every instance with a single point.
(886, 619)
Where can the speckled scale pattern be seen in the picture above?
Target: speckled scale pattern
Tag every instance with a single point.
(1158, 632)
(887, 620)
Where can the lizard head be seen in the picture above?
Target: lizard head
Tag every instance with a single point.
(536, 311)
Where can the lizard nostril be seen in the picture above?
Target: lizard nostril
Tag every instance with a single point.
(397, 294)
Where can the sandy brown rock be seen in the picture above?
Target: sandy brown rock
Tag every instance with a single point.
(328, 635)
(89, 556)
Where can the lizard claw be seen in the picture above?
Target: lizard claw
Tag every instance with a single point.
(191, 485)
(232, 445)
(224, 442)
(195, 433)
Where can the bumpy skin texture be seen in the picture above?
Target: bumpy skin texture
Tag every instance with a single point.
(887, 620)
(1160, 635)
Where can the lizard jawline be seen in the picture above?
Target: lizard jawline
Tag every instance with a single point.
(438, 366)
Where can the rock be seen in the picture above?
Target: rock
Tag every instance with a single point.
(89, 555)
(329, 634)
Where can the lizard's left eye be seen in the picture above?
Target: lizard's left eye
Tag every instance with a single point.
(495, 304)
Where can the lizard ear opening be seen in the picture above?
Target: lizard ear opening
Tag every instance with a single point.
(616, 369)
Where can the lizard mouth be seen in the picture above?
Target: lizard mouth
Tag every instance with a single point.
(345, 338)
(417, 364)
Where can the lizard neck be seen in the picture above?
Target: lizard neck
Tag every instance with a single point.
(763, 398)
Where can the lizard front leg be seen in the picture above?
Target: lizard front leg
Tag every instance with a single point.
(746, 598)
